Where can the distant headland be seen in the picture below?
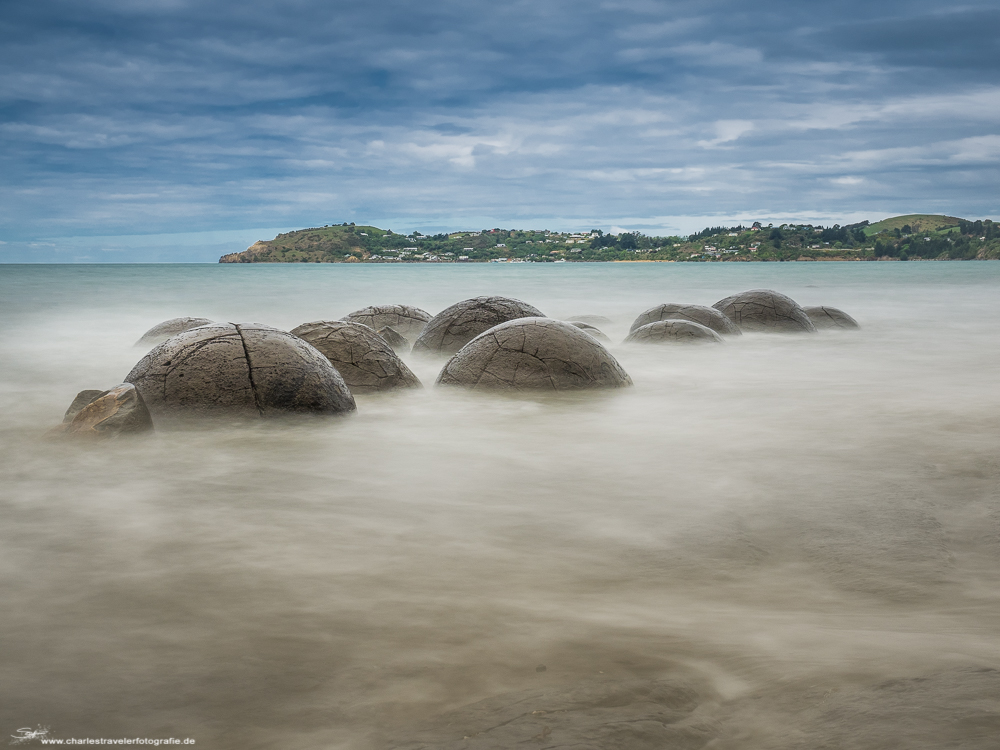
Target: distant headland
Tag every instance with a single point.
(910, 237)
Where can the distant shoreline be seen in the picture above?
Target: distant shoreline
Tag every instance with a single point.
(910, 237)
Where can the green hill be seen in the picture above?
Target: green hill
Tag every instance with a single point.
(916, 222)
(910, 237)
(328, 244)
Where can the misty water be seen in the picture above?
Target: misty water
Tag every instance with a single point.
(779, 542)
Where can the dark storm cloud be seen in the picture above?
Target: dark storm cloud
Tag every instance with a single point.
(179, 116)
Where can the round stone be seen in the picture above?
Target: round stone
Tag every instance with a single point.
(706, 316)
(673, 332)
(594, 331)
(456, 326)
(362, 357)
(394, 339)
(406, 320)
(163, 331)
(534, 354)
(239, 369)
(765, 310)
(830, 317)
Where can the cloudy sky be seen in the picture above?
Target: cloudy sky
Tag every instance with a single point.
(133, 129)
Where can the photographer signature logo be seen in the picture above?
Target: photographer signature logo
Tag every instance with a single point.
(27, 734)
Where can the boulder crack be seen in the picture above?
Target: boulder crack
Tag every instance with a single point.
(253, 385)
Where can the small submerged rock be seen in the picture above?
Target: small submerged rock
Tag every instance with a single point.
(830, 317)
(765, 310)
(362, 357)
(163, 331)
(82, 399)
(239, 369)
(673, 332)
(534, 354)
(594, 320)
(594, 331)
(456, 326)
(394, 339)
(405, 320)
(106, 414)
(706, 316)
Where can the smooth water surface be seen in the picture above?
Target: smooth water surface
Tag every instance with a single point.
(782, 541)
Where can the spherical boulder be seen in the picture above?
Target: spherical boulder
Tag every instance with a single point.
(456, 326)
(163, 331)
(394, 339)
(239, 369)
(362, 357)
(118, 411)
(706, 316)
(830, 317)
(673, 332)
(534, 354)
(406, 320)
(594, 331)
(765, 310)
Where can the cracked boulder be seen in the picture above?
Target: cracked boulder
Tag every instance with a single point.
(830, 317)
(534, 354)
(105, 414)
(362, 357)
(394, 339)
(706, 316)
(456, 326)
(766, 311)
(673, 332)
(163, 331)
(406, 320)
(239, 369)
(594, 331)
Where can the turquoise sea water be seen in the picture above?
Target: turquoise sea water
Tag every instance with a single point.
(327, 289)
(776, 526)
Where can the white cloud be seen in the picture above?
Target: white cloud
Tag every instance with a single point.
(727, 131)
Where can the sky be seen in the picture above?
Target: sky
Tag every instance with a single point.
(159, 130)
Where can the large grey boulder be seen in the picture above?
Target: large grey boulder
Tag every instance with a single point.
(117, 411)
(239, 369)
(163, 331)
(406, 320)
(673, 332)
(830, 317)
(706, 316)
(765, 310)
(456, 326)
(362, 357)
(534, 354)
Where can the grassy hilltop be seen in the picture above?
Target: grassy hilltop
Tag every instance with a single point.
(916, 222)
(911, 237)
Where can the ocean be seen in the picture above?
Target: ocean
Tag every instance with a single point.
(777, 542)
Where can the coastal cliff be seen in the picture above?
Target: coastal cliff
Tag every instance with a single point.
(256, 253)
